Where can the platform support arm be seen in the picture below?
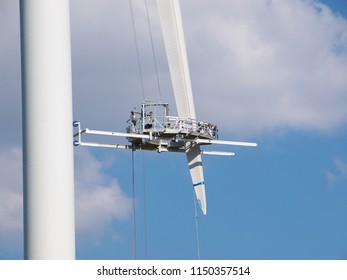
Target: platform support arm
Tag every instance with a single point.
(78, 134)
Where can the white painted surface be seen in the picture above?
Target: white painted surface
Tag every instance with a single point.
(49, 220)
(171, 24)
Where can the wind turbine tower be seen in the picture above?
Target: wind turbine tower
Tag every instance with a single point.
(49, 220)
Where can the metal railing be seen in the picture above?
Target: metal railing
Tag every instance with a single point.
(154, 118)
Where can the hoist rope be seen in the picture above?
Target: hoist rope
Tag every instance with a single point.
(153, 51)
(196, 226)
(133, 208)
(144, 204)
(137, 49)
(134, 251)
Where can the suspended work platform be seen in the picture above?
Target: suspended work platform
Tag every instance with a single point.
(152, 128)
(166, 133)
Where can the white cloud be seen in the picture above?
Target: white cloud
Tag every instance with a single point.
(338, 174)
(256, 66)
(99, 198)
(261, 65)
(105, 67)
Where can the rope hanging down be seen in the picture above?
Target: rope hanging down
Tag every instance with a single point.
(133, 165)
(133, 208)
(134, 251)
(144, 204)
(137, 49)
(153, 51)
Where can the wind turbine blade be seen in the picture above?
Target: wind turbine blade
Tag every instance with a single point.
(171, 23)
(196, 172)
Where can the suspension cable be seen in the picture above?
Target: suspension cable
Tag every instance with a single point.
(137, 49)
(144, 203)
(196, 226)
(133, 208)
(153, 51)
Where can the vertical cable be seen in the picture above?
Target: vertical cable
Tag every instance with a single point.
(196, 226)
(153, 51)
(137, 49)
(133, 208)
(144, 203)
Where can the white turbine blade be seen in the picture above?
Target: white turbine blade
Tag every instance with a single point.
(171, 23)
(222, 142)
(197, 174)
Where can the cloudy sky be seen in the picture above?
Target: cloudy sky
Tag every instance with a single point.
(269, 71)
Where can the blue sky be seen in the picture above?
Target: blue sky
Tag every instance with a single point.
(273, 72)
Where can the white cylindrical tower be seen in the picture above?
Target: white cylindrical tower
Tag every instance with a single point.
(49, 220)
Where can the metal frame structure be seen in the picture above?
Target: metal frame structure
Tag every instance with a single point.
(156, 130)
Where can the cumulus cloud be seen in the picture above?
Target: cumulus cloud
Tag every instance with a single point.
(99, 198)
(105, 66)
(261, 65)
(256, 66)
